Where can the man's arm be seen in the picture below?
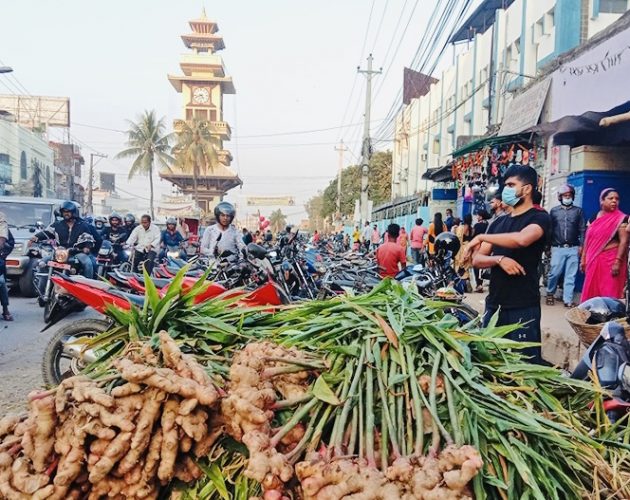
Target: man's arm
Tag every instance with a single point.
(483, 260)
(133, 237)
(155, 243)
(522, 239)
(582, 229)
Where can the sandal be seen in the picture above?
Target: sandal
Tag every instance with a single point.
(550, 301)
(7, 316)
(570, 305)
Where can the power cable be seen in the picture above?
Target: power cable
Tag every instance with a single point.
(380, 25)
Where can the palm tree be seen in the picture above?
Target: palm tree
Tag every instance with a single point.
(148, 144)
(277, 220)
(196, 150)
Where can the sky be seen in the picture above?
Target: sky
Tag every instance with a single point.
(293, 62)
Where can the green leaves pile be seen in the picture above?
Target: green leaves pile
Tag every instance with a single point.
(395, 379)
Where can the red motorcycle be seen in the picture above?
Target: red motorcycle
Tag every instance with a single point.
(64, 357)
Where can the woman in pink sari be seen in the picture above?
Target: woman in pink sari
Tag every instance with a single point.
(604, 255)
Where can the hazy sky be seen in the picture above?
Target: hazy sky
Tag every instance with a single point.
(293, 63)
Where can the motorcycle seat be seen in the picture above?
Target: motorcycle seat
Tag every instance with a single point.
(158, 282)
(134, 299)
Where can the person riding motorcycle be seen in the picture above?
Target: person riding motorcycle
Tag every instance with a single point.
(99, 224)
(117, 234)
(145, 239)
(67, 233)
(130, 223)
(171, 238)
(222, 236)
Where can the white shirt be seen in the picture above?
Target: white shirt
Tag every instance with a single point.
(141, 239)
(231, 239)
(366, 233)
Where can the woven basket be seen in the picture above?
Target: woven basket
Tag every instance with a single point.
(586, 332)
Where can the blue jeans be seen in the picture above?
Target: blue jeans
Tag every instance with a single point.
(563, 261)
(88, 264)
(527, 333)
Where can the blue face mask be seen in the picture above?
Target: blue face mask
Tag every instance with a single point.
(509, 196)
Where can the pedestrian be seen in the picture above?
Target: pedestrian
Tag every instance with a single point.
(417, 235)
(182, 228)
(464, 233)
(376, 237)
(346, 242)
(512, 249)
(403, 239)
(603, 260)
(247, 236)
(480, 227)
(449, 221)
(567, 238)
(435, 228)
(390, 256)
(356, 238)
(316, 237)
(6, 247)
(537, 200)
(366, 236)
(497, 207)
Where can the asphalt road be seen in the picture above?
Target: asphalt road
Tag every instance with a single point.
(22, 346)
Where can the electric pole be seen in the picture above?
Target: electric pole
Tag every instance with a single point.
(366, 149)
(341, 150)
(88, 206)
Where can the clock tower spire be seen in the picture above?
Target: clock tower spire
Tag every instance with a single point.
(202, 86)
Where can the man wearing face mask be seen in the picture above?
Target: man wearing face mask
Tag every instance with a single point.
(512, 250)
(567, 237)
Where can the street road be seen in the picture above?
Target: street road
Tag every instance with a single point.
(21, 349)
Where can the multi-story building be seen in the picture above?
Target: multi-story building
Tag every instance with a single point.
(499, 49)
(68, 162)
(26, 161)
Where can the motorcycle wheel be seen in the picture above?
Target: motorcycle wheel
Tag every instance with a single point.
(26, 282)
(57, 365)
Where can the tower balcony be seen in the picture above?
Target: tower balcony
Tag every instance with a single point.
(221, 129)
(225, 157)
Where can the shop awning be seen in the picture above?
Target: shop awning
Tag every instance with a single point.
(585, 129)
(439, 174)
(494, 140)
(480, 20)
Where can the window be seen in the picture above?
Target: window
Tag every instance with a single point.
(48, 185)
(613, 6)
(4, 158)
(201, 114)
(550, 22)
(23, 166)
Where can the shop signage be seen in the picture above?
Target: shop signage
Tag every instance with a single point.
(524, 110)
(270, 201)
(596, 80)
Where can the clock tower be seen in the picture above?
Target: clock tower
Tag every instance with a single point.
(202, 87)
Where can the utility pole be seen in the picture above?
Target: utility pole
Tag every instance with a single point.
(88, 206)
(366, 149)
(341, 150)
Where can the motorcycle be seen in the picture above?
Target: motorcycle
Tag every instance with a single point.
(105, 259)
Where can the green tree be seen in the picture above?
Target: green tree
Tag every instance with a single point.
(277, 221)
(314, 208)
(147, 144)
(379, 187)
(196, 150)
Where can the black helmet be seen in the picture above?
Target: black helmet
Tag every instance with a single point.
(447, 242)
(69, 206)
(603, 309)
(130, 218)
(115, 215)
(86, 239)
(566, 189)
(225, 208)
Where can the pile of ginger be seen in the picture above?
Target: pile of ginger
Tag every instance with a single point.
(82, 441)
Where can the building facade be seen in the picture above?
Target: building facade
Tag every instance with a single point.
(26, 161)
(202, 86)
(500, 48)
(68, 162)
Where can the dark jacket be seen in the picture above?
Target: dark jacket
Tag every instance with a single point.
(171, 239)
(116, 235)
(66, 237)
(567, 226)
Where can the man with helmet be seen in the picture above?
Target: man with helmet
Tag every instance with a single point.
(171, 238)
(567, 237)
(223, 235)
(130, 223)
(117, 235)
(99, 225)
(71, 231)
(390, 256)
(145, 239)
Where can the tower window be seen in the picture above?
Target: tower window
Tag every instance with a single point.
(201, 114)
(23, 166)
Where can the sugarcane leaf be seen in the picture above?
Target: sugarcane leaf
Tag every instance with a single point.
(218, 481)
(150, 291)
(397, 379)
(322, 391)
(350, 350)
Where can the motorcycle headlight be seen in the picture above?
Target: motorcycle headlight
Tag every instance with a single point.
(61, 255)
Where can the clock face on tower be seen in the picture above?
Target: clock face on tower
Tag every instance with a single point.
(201, 95)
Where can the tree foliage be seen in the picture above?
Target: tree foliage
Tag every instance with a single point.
(277, 221)
(379, 187)
(147, 144)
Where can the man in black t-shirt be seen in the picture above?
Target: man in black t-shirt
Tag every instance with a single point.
(512, 249)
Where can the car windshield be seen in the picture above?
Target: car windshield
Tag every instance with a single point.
(25, 214)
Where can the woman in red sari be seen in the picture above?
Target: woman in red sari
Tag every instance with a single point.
(604, 255)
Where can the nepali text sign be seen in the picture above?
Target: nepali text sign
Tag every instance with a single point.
(270, 201)
(524, 110)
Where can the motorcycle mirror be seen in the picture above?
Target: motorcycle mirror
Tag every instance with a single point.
(31, 229)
